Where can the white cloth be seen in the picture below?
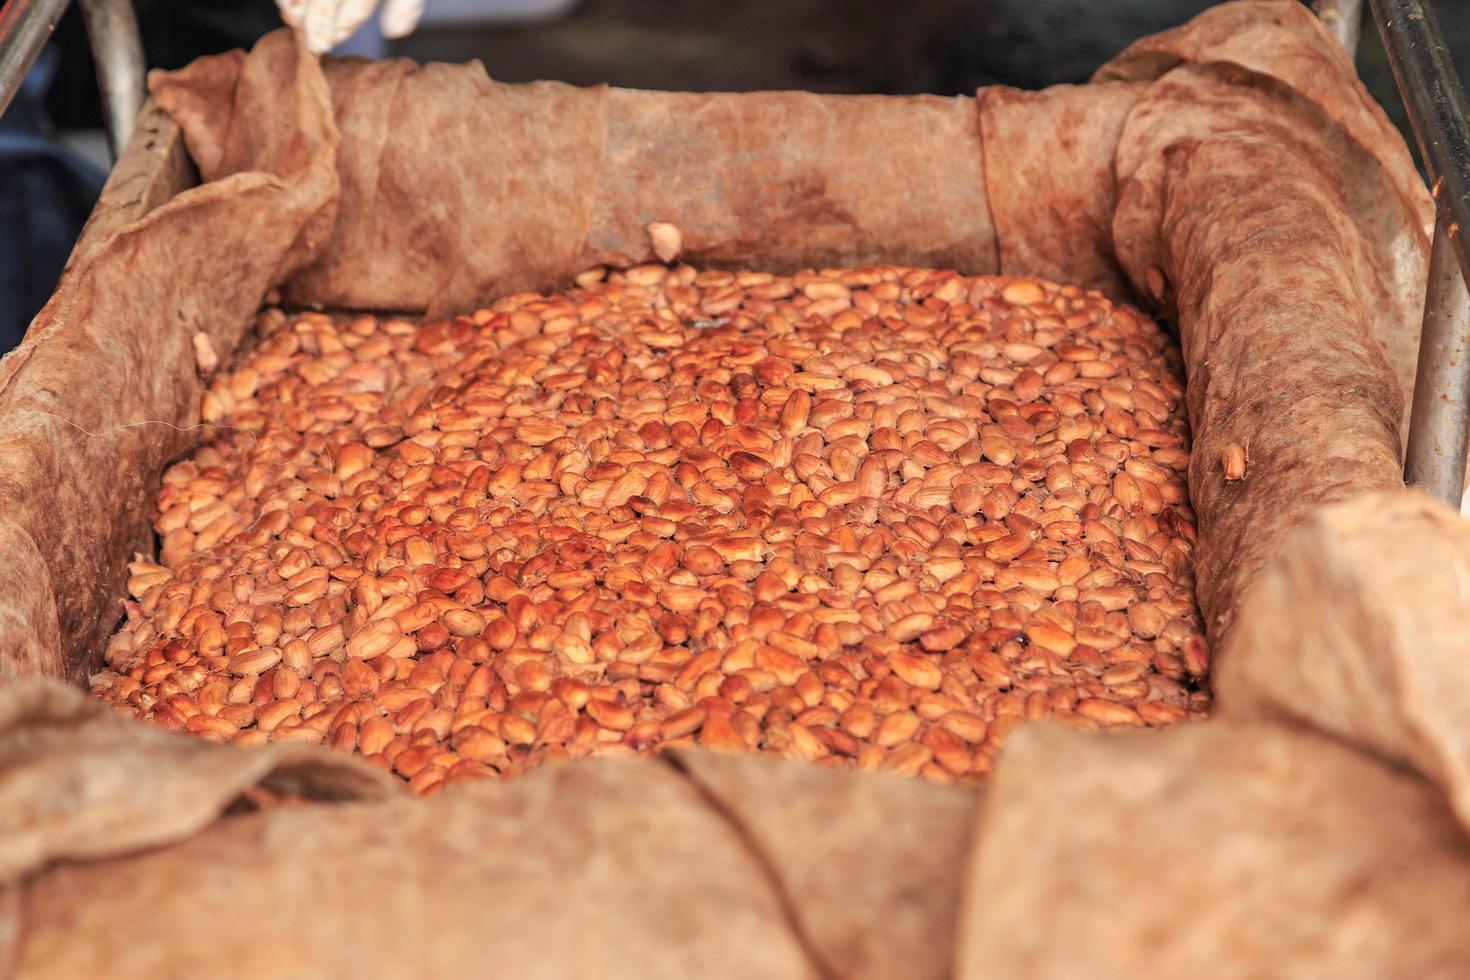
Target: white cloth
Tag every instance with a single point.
(324, 24)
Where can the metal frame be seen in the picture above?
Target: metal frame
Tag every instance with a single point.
(25, 26)
(1439, 419)
(112, 29)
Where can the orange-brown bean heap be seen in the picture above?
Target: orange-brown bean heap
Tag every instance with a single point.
(873, 517)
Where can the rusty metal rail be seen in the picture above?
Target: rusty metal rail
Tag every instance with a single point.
(112, 29)
(1439, 419)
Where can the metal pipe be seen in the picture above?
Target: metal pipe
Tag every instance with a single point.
(1439, 422)
(25, 25)
(1435, 103)
(117, 49)
(1439, 436)
(1344, 18)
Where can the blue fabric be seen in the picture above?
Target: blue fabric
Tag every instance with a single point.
(46, 194)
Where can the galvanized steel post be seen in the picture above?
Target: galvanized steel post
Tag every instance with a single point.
(1439, 420)
(25, 26)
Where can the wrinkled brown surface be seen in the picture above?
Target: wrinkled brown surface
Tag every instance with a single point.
(1267, 68)
(458, 189)
(1286, 225)
(93, 403)
(61, 804)
(628, 868)
(1273, 282)
(1310, 832)
(1219, 850)
(540, 877)
(879, 902)
(1283, 41)
(1270, 842)
(1049, 179)
(1384, 668)
(1261, 187)
(32, 639)
(785, 180)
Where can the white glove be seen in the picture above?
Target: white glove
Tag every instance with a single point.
(324, 24)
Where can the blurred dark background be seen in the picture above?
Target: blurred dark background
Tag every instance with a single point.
(52, 150)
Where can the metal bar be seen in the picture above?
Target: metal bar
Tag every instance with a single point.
(1439, 436)
(25, 25)
(1344, 18)
(1439, 422)
(1435, 103)
(117, 49)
